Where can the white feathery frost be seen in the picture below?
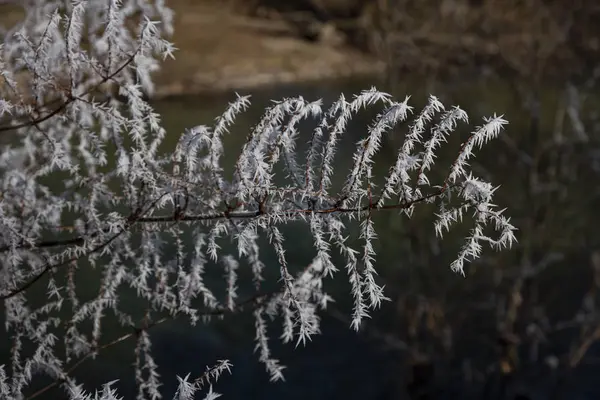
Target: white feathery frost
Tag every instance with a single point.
(153, 223)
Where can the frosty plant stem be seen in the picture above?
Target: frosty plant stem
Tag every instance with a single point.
(153, 222)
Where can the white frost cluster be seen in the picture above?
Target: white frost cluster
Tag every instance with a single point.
(153, 223)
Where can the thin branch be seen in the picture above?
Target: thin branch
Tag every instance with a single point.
(251, 301)
(70, 99)
(229, 215)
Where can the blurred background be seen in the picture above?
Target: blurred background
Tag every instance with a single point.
(524, 323)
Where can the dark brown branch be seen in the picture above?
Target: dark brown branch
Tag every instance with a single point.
(230, 215)
(137, 217)
(70, 99)
(49, 266)
(131, 220)
(251, 301)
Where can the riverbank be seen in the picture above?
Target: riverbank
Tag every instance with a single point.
(220, 50)
(223, 48)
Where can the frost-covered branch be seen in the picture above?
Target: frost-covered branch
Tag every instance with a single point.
(85, 185)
